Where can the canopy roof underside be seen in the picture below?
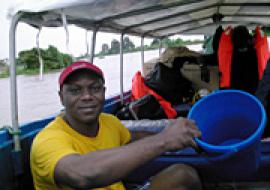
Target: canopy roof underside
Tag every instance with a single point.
(149, 18)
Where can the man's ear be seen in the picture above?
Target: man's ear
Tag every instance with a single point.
(60, 93)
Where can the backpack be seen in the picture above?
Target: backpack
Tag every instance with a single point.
(169, 83)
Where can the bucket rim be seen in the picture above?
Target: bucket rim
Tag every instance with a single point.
(246, 142)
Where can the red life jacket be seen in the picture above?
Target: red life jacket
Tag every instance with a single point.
(225, 52)
(262, 50)
(139, 89)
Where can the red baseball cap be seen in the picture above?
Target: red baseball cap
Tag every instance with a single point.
(78, 65)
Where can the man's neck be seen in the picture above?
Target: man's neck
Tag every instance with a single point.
(86, 129)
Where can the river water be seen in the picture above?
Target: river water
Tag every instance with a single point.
(39, 99)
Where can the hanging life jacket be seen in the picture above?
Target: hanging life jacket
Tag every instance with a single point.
(262, 50)
(225, 53)
(225, 50)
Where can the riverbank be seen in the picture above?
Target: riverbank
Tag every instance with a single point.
(33, 72)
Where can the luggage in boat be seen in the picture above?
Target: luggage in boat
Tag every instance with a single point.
(178, 55)
(194, 73)
(139, 89)
(166, 78)
(169, 83)
(147, 107)
(148, 66)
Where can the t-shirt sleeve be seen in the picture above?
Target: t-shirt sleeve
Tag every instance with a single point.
(46, 152)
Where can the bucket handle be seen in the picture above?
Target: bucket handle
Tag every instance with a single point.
(223, 156)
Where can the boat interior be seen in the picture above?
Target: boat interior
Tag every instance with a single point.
(198, 72)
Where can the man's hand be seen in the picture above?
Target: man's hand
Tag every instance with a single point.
(180, 135)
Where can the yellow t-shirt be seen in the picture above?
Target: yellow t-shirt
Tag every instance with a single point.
(58, 139)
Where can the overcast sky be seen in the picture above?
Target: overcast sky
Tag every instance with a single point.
(26, 35)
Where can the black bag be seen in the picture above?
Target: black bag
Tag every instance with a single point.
(169, 83)
(146, 107)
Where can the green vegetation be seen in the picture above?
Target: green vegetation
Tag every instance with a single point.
(28, 61)
(3, 69)
(4, 74)
(2, 63)
(266, 30)
(52, 58)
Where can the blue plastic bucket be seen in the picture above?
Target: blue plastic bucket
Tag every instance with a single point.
(232, 123)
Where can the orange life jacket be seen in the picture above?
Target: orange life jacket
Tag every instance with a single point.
(262, 50)
(225, 52)
(139, 89)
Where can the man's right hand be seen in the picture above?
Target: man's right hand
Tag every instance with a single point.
(180, 135)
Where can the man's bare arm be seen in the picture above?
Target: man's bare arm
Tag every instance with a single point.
(105, 167)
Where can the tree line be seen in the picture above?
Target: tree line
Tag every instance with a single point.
(54, 59)
(128, 45)
(28, 60)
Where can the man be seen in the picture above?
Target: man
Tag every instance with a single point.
(85, 149)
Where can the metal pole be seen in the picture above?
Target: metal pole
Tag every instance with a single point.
(160, 47)
(65, 25)
(41, 65)
(142, 52)
(87, 44)
(13, 82)
(93, 45)
(121, 69)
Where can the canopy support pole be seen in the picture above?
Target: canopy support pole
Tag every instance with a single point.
(87, 45)
(121, 69)
(160, 47)
(142, 52)
(93, 45)
(40, 60)
(65, 25)
(13, 81)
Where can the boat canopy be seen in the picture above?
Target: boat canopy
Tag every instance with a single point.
(147, 18)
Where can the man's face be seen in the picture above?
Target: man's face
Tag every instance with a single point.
(83, 96)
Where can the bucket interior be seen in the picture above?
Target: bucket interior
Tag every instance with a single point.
(226, 118)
